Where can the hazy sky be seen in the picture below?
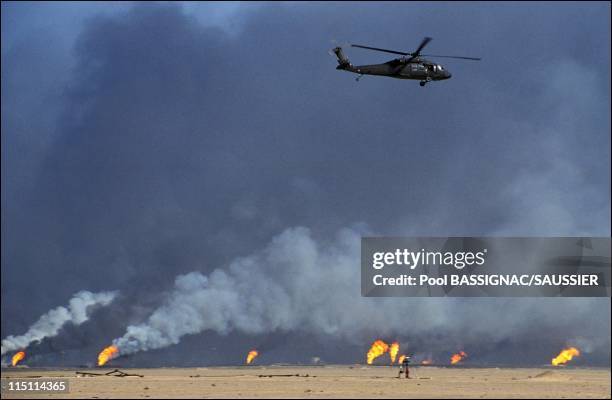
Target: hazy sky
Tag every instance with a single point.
(140, 142)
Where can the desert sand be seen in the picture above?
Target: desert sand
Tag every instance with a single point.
(336, 381)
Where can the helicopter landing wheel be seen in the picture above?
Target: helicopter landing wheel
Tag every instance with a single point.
(422, 83)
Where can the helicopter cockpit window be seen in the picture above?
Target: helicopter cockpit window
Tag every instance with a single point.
(440, 68)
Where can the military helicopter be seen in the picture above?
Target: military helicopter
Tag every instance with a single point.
(409, 66)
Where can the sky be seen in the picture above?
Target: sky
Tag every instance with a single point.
(144, 142)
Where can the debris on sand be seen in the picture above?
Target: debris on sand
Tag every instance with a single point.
(543, 374)
(117, 373)
(550, 376)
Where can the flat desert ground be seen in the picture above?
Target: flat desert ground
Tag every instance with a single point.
(338, 381)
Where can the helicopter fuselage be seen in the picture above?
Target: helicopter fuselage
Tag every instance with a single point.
(416, 69)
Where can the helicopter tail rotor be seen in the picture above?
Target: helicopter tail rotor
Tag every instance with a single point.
(343, 61)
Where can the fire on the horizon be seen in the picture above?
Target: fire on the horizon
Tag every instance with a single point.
(107, 354)
(251, 356)
(377, 349)
(393, 350)
(17, 358)
(565, 356)
(458, 357)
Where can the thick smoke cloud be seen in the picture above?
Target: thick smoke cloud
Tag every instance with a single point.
(272, 291)
(49, 325)
(161, 145)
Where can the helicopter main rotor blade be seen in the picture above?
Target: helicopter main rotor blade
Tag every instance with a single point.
(462, 58)
(417, 52)
(379, 49)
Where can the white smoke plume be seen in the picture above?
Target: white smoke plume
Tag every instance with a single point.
(49, 324)
(297, 284)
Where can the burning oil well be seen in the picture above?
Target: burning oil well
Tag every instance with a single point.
(377, 349)
(107, 354)
(251, 356)
(565, 356)
(17, 357)
(393, 350)
(458, 357)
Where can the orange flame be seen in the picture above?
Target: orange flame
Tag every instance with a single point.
(458, 357)
(107, 354)
(378, 349)
(17, 357)
(393, 350)
(401, 358)
(565, 356)
(251, 356)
